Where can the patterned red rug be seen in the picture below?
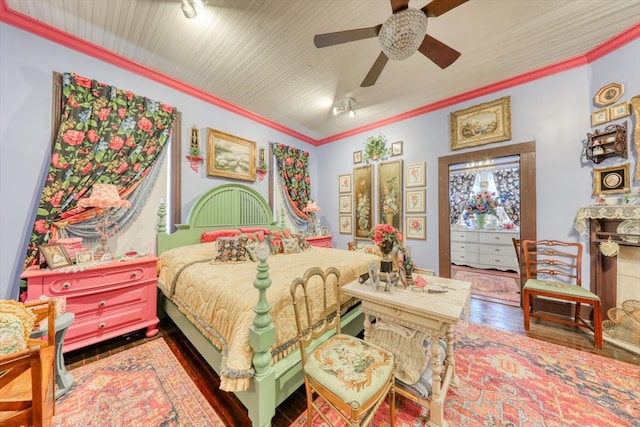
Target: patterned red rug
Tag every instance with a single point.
(516, 381)
(141, 386)
(489, 283)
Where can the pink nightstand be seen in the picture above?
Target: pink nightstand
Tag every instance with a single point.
(321, 241)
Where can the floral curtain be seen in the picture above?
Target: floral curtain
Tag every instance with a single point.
(460, 189)
(295, 183)
(508, 185)
(106, 135)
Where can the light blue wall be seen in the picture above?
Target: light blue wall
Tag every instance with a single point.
(554, 112)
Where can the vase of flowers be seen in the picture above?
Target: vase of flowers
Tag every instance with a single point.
(311, 209)
(386, 237)
(481, 204)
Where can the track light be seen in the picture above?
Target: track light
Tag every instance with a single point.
(345, 105)
(189, 8)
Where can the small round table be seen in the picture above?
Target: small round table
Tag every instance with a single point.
(63, 378)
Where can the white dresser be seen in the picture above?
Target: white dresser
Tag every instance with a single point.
(484, 249)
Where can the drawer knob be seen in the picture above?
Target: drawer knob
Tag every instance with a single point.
(102, 303)
(102, 325)
(66, 285)
(134, 275)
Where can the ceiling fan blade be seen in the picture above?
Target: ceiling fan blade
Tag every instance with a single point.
(375, 71)
(339, 37)
(398, 5)
(438, 52)
(439, 7)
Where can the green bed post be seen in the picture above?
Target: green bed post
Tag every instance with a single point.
(262, 335)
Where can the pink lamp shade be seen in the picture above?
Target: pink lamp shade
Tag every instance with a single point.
(104, 196)
(311, 207)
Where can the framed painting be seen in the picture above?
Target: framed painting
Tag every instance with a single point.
(363, 200)
(55, 256)
(416, 227)
(415, 202)
(611, 180)
(357, 157)
(415, 175)
(390, 193)
(396, 148)
(229, 156)
(599, 117)
(345, 224)
(344, 203)
(481, 124)
(344, 183)
(619, 110)
(608, 94)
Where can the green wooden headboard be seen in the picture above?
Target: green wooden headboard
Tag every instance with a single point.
(228, 206)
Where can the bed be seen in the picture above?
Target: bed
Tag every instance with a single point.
(237, 313)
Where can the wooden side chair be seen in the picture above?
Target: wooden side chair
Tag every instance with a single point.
(27, 376)
(554, 270)
(351, 375)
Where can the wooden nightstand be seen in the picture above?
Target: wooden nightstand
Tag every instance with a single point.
(321, 241)
(108, 300)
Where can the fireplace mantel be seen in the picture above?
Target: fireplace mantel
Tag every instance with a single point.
(603, 222)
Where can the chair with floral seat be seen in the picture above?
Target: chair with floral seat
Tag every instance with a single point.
(352, 376)
(27, 367)
(554, 270)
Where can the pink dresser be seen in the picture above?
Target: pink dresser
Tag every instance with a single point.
(108, 300)
(321, 241)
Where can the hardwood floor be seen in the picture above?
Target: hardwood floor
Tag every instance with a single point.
(231, 411)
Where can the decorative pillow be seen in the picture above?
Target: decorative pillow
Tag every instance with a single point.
(291, 246)
(302, 242)
(255, 236)
(212, 236)
(232, 249)
(11, 337)
(11, 310)
(275, 244)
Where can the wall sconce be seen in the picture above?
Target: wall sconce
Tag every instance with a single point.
(345, 105)
(190, 8)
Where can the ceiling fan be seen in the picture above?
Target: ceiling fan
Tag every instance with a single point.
(400, 36)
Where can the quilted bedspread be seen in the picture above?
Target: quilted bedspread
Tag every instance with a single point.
(219, 298)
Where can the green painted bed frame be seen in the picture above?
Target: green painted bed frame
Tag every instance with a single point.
(233, 206)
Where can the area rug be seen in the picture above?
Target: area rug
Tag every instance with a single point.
(510, 380)
(141, 386)
(489, 283)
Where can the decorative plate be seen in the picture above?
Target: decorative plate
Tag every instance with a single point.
(612, 180)
(608, 94)
(628, 227)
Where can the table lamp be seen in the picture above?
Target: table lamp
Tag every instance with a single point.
(106, 197)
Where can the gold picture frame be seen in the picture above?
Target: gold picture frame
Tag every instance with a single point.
(415, 201)
(229, 156)
(608, 94)
(396, 148)
(344, 202)
(414, 174)
(55, 256)
(611, 180)
(390, 194)
(416, 227)
(357, 157)
(364, 212)
(345, 226)
(481, 124)
(599, 117)
(623, 109)
(344, 183)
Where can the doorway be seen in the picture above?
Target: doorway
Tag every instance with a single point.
(528, 231)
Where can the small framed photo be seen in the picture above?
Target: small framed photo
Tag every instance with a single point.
(415, 201)
(415, 174)
(84, 257)
(357, 157)
(55, 255)
(345, 204)
(611, 180)
(416, 227)
(374, 275)
(599, 117)
(345, 224)
(619, 110)
(396, 148)
(344, 183)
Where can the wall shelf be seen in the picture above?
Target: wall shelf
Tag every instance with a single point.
(612, 141)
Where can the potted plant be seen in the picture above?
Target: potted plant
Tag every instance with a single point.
(375, 148)
(194, 158)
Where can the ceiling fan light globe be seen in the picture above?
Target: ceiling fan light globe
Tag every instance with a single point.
(402, 34)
